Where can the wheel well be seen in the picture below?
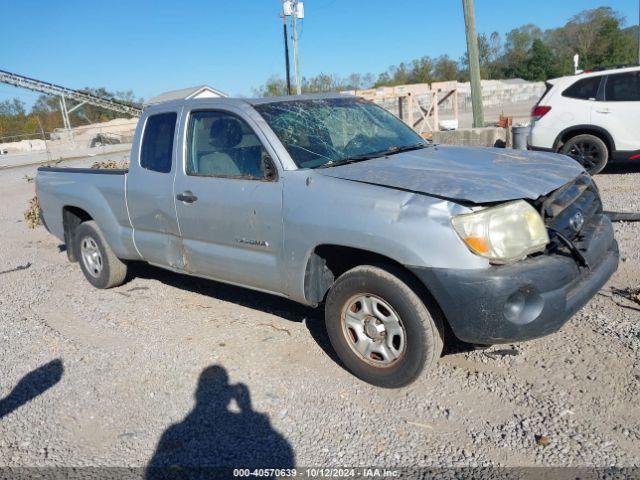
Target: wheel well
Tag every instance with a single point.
(586, 130)
(327, 262)
(71, 218)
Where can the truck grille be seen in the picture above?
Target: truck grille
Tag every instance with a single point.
(573, 208)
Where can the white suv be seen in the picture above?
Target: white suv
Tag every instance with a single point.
(593, 117)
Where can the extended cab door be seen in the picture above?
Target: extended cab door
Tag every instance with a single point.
(229, 201)
(619, 112)
(150, 197)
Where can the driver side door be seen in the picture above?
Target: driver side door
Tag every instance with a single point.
(229, 202)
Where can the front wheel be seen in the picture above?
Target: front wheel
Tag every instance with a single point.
(379, 327)
(589, 151)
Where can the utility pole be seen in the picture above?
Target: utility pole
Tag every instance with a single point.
(474, 63)
(286, 53)
(297, 9)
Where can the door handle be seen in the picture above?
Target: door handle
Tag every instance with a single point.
(187, 197)
(603, 111)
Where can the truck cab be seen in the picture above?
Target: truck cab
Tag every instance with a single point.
(225, 174)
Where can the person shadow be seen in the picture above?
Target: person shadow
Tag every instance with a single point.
(220, 434)
(31, 385)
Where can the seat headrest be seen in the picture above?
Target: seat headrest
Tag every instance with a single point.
(225, 133)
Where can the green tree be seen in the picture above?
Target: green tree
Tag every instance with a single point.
(518, 44)
(445, 69)
(273, 87)
(597, 36)
(422, 70)
(45, 104)
(541, 63)
(383, 79)
(93, 114)
(13, 107)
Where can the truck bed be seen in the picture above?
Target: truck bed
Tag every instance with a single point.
(90, 192)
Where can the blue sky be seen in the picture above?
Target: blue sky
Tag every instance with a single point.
(154, 46)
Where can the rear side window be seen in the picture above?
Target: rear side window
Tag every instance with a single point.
(585, 89)
(623, 87)
(157, 142)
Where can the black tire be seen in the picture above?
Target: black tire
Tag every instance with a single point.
(104, 269)
(422, 327)
(589, 151)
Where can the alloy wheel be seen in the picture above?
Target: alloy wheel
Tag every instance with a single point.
(586, 153)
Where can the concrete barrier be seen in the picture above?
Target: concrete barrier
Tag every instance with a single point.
(478, 137)
(34, 145)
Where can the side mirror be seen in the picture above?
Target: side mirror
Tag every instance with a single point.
(268, 168)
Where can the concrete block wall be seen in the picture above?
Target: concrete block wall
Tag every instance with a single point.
(477, 137)
(500, 92)
(495, 93)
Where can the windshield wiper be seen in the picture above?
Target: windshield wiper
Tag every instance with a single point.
(354, 158)
(368, 156)
(407, 148)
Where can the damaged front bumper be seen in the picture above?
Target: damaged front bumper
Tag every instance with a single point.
(525, 300)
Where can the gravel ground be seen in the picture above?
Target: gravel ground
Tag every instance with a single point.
(169, 369)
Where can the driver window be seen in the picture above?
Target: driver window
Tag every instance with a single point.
(223, 145)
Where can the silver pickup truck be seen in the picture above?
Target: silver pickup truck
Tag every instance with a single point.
(330, 199)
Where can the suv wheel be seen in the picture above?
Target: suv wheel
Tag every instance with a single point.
(99, 264)
(588, 150)
(379, 327)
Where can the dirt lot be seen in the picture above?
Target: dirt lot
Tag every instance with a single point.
(169, 369)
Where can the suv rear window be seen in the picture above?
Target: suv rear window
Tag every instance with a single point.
(623, 87)
(157, 142)
(585, 89)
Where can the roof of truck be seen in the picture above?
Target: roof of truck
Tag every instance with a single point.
(171, 99)
(288, 98)
(207, 94)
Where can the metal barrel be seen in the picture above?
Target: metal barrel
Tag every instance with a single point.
(520, 135)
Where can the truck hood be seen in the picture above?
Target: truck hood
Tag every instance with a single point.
(466, 174)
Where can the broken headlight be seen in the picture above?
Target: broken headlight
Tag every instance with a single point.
(504, 233)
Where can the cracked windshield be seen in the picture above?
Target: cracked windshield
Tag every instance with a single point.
(334, 131)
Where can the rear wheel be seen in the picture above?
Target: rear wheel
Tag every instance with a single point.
(379, 327)
(99, 264)
(588, 150)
